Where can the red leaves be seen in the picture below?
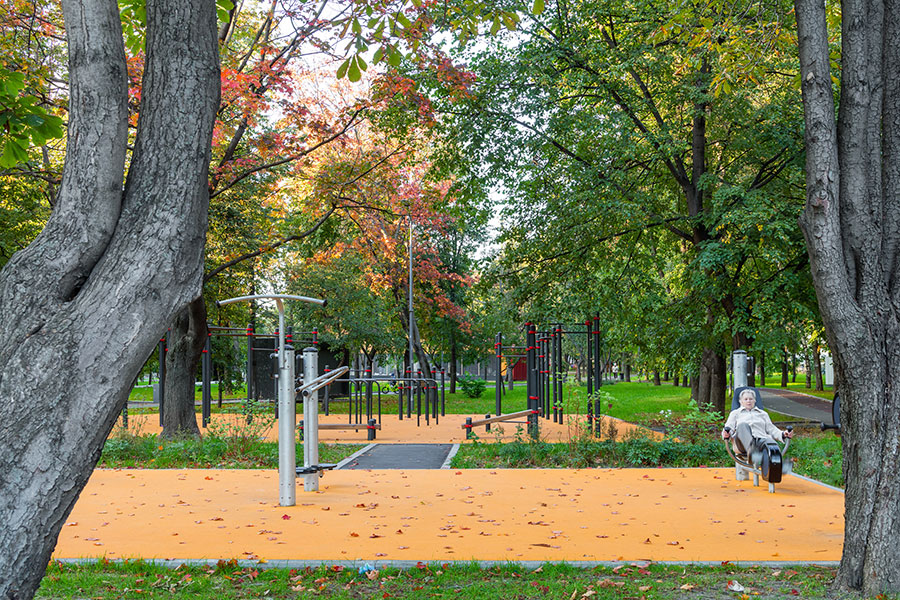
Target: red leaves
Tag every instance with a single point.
(285, 517)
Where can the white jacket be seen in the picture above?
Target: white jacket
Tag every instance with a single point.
(761, 425)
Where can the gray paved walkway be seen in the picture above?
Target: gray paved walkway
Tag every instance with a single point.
(796, 404)
(401, 456)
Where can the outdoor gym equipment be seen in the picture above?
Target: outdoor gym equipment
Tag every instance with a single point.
(311, 469)
(835, 416)
(287, 418)
(546, 371)
(770, 455)
(488, 419)
(365, 391)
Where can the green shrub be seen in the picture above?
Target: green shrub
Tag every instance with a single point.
(472, 387)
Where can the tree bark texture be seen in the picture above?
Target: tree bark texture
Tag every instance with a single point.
(187, 339)
(84, 304)
(712, 381)
(851, 223)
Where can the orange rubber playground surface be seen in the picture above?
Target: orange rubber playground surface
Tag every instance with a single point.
(396, 516)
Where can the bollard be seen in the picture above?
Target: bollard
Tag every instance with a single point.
(371, 431)
(468, 428)
(487, 427)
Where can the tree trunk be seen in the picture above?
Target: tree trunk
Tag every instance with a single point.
(817, 368)
(675, 379)
(808, 372)
(712, 381)
(628, 372)
(656, 380)
(762, 368)
(84, 304)
(851, 224)
(784, 369)
(186, 341)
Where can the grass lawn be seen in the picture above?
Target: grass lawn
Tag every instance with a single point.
(227, 580)
(145, 394)
(149, 452)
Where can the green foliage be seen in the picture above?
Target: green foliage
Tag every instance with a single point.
(23, 212)
(695, 425)
(23, 121)
(472, 387)
(582, 453)
(236, 445)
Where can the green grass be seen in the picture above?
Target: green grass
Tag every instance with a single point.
(231, 446)
(145, 394)
(818, 455)
(228, 580)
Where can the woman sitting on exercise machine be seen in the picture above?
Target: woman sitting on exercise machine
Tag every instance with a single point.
(751, 428)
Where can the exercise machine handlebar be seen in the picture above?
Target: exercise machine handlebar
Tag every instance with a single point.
(321, 381)
(318, 301)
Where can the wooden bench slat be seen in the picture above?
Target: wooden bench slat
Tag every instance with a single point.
(498, 419)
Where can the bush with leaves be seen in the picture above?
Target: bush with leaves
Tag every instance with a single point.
(472, 387)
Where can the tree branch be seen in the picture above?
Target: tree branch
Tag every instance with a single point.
(271, 246)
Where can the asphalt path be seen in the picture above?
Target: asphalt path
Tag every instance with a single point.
(796, 404)
(401, 456)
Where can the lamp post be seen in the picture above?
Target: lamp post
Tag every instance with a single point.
(412, 318)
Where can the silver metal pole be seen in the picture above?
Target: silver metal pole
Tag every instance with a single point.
(310, 420)
(739, 368)
(287, 426)
(318, 301)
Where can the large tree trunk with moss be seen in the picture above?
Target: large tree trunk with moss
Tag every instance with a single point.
(84, 304)
(852, 228)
